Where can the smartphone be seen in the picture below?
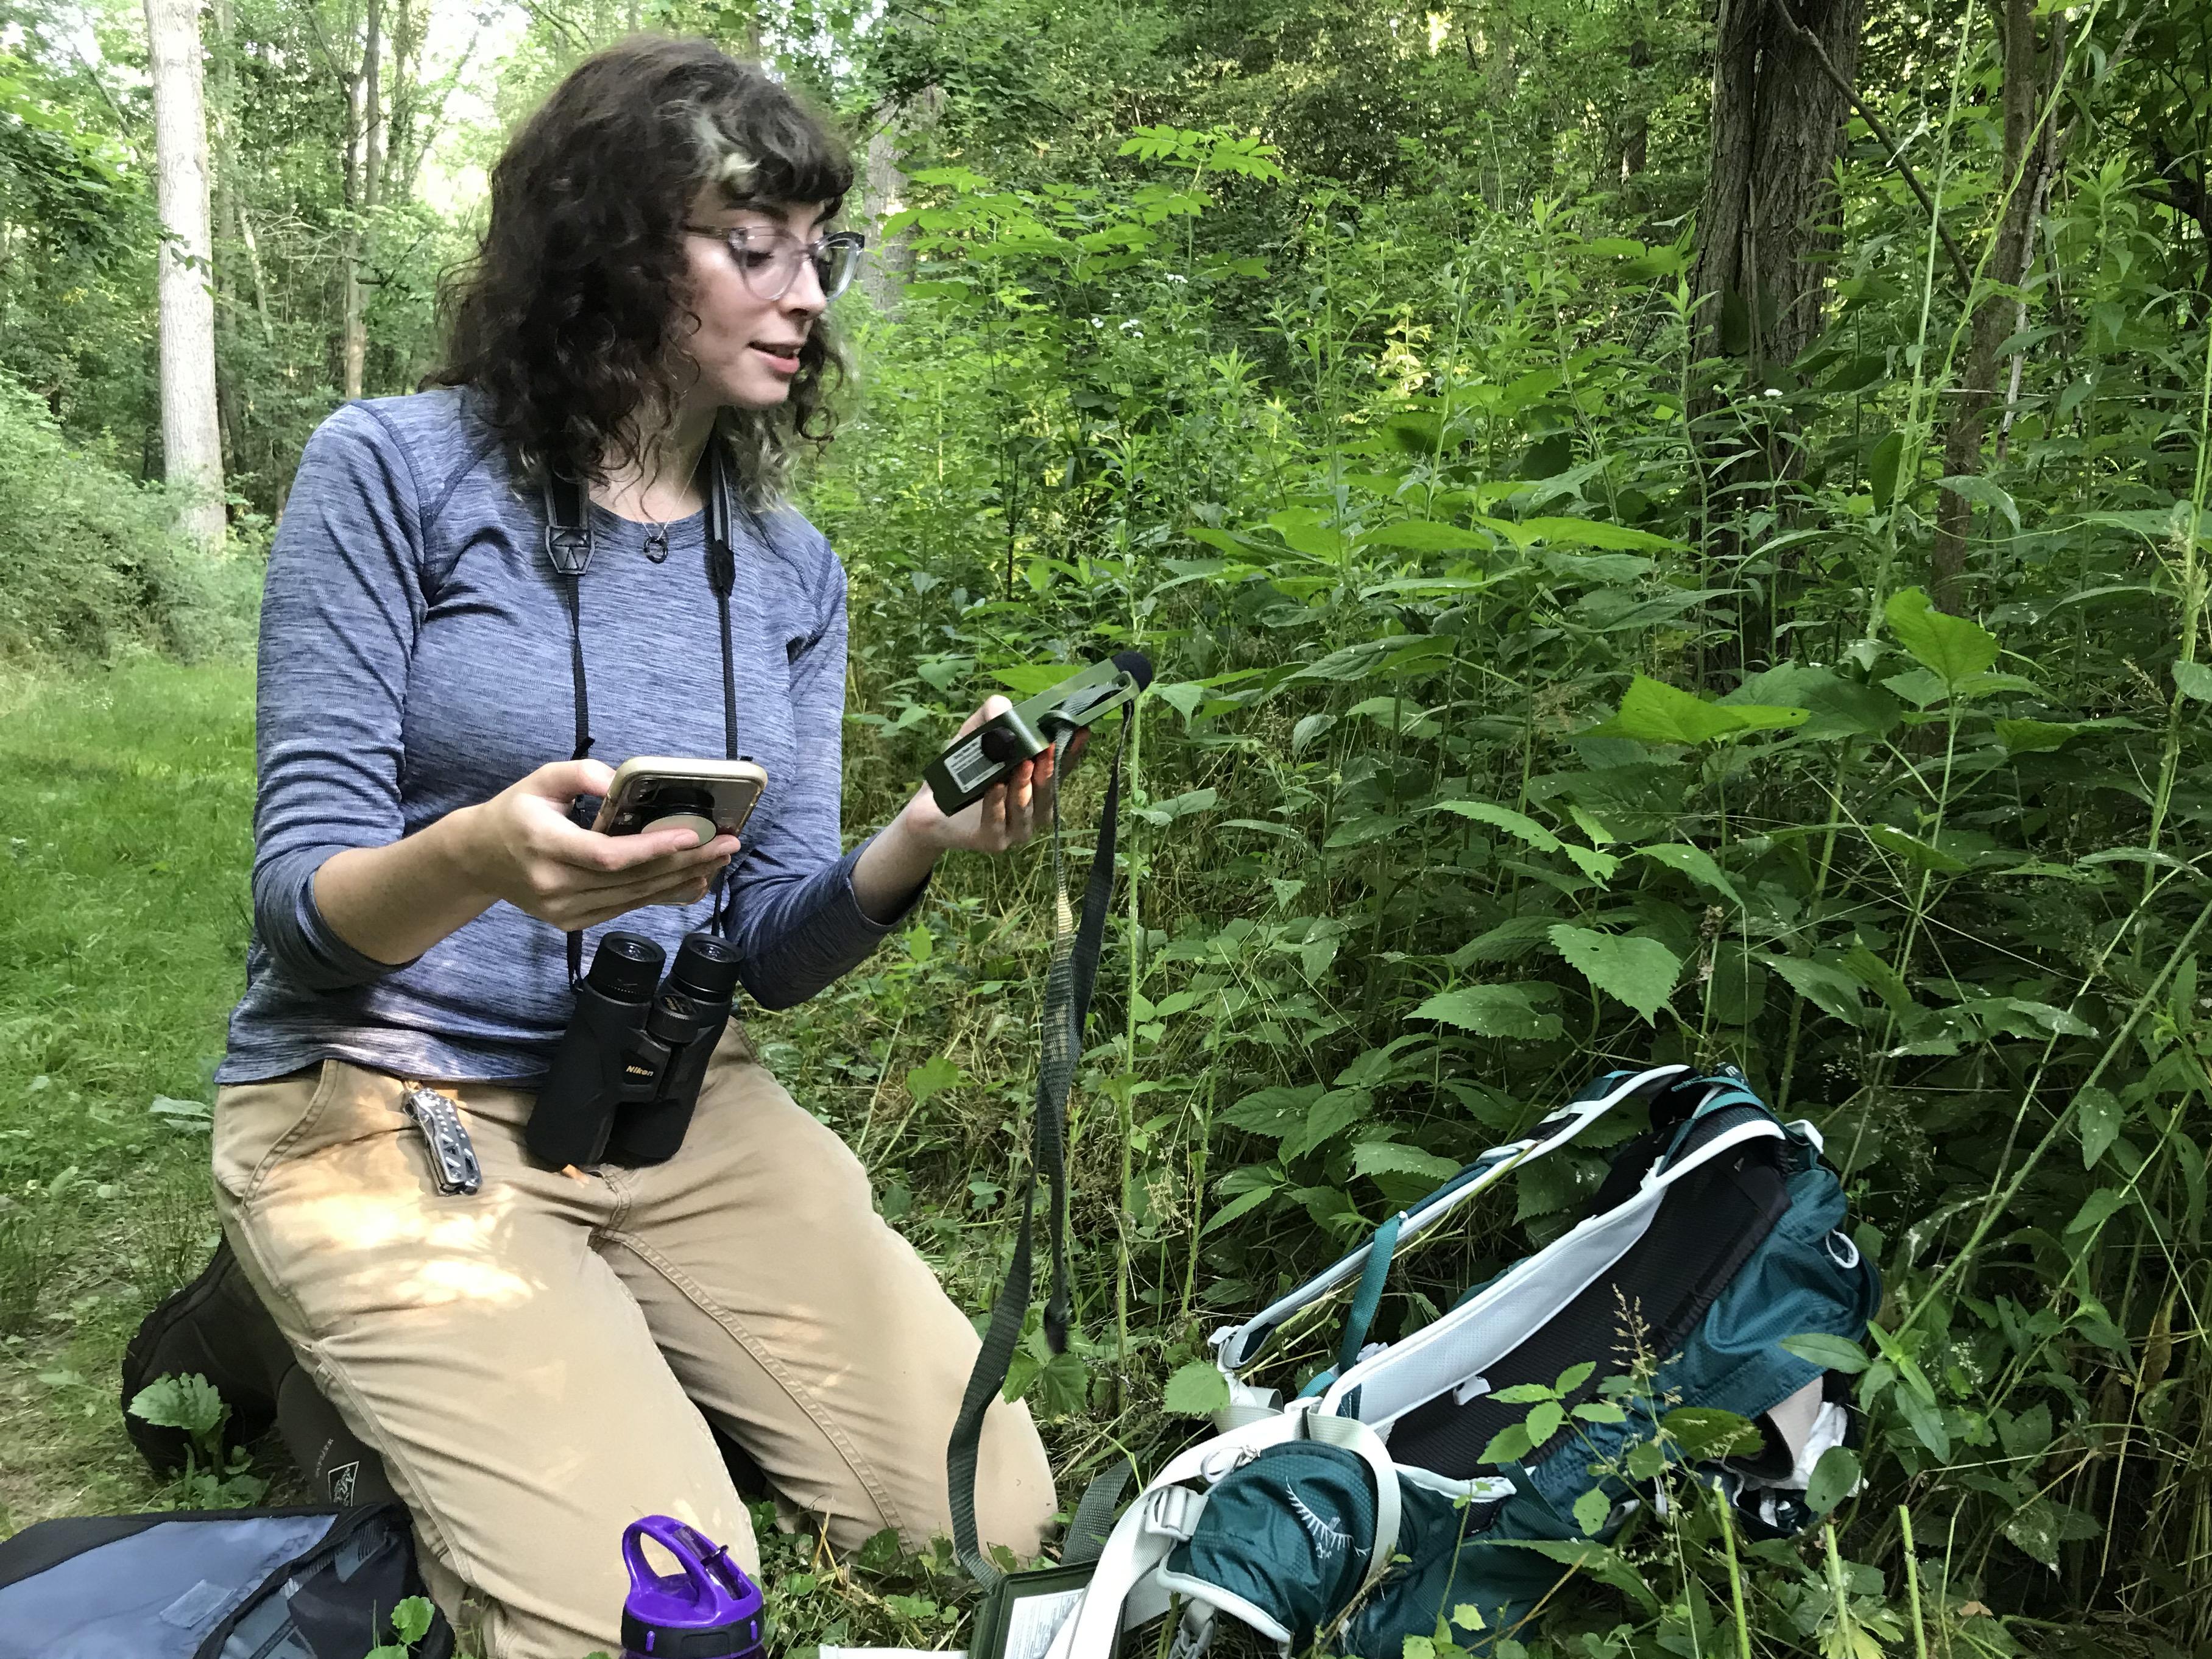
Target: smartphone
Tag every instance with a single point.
(658, 792)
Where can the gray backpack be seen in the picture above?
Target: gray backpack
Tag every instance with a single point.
(282, 1583)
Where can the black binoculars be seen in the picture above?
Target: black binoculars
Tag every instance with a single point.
(626, 1076)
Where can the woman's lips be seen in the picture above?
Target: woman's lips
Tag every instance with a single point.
(783, 359)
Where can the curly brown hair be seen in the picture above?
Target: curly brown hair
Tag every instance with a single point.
(561, 324)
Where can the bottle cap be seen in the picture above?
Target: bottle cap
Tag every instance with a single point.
(708, 1609)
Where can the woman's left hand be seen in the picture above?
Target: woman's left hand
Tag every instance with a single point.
(1009, 814)
(893, 866)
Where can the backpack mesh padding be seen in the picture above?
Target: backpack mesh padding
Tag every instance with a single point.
(1705, 1228)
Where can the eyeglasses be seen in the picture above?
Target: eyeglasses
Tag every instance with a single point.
(768, 260)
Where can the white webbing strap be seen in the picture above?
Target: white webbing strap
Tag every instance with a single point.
(1237, 1346)
(1149, 1530)
(1352, 1435)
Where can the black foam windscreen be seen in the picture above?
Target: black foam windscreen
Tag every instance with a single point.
(1136, 664)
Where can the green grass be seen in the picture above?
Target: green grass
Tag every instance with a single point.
(124, 909)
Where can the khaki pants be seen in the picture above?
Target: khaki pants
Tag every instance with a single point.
(528, 1360)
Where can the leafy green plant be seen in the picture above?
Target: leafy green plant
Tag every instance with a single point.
(212, 1478)
(410, 1622)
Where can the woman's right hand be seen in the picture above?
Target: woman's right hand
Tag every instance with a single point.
(522, 845)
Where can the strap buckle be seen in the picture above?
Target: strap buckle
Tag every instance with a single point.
(1173, 1511)
(569, 548)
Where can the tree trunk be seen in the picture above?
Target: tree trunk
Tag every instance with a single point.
(1770, 202)
(883, 193)
(1636, 141)
(364, 159)
(191, 437)
(1994, 315)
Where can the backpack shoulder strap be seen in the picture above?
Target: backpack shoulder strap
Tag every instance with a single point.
(1236, 1346)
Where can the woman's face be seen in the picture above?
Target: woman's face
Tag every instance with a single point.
(747, 347)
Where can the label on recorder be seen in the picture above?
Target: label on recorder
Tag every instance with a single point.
(967, 765)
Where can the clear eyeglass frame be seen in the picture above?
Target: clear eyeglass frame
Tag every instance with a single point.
(768, 260)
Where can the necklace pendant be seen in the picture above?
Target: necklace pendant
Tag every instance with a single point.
(656, 542)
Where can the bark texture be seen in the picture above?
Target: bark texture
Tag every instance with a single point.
(1767, 221)
(2030, 159)
(192, 435)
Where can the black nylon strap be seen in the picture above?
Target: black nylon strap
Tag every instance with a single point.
(1093, 1521)
(568, 546)
(722, 576)
(1068, 983)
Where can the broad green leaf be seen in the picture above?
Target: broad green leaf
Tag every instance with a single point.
(1198, 1389)
(1545, 1418)
(1879, 977)
(1706, 1431)
(1273, 1112)
(1926, 1421)
(1467, 1616)
(1600, 867)
(2041, 1525)
(1830, 1353)
(933, 1076)
(1920, 687)
(1653, 711)
(1492, 1011)
(1592, 532)
(1591, 1509)
(1236, 1209)
(2100, 1114)
(1508, 1445)
(188, 1402)
(1882, 467)
(1334, 1112)
(1175, 806)
(1697, 863)
(1984, 492)
(1379, 1157)
(1423, 536)
(1640, 972)
(1954, 647)
(1519, 825)
(1841, 706)
(1834, 1477)
(2096, 1210)
(2195, 680)
(1914, 851)
(2032, 736)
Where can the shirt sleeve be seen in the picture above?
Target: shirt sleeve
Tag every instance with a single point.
(795, 917)
(339, 615)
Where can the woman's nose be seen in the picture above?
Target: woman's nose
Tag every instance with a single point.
(805, 297)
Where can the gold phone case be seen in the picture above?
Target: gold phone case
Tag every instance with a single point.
(651, 786)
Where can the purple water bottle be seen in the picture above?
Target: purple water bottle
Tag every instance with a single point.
(708, 1610)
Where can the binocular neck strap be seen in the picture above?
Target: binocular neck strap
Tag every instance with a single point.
(1074, 969)
(568, 546)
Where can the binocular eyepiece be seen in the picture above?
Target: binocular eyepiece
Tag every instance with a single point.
(626, 1075)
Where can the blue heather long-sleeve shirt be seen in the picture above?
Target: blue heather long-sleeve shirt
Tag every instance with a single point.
(415, 658)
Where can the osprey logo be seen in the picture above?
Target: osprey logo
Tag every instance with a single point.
(342, 1479)
(1329, 1540)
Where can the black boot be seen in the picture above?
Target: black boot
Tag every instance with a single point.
(216, 1328)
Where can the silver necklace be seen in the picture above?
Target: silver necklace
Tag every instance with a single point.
(656, 541)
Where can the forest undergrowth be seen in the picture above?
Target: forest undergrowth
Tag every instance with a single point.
(1535, 697)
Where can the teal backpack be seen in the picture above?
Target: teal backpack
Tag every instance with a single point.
(1354, 1516)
